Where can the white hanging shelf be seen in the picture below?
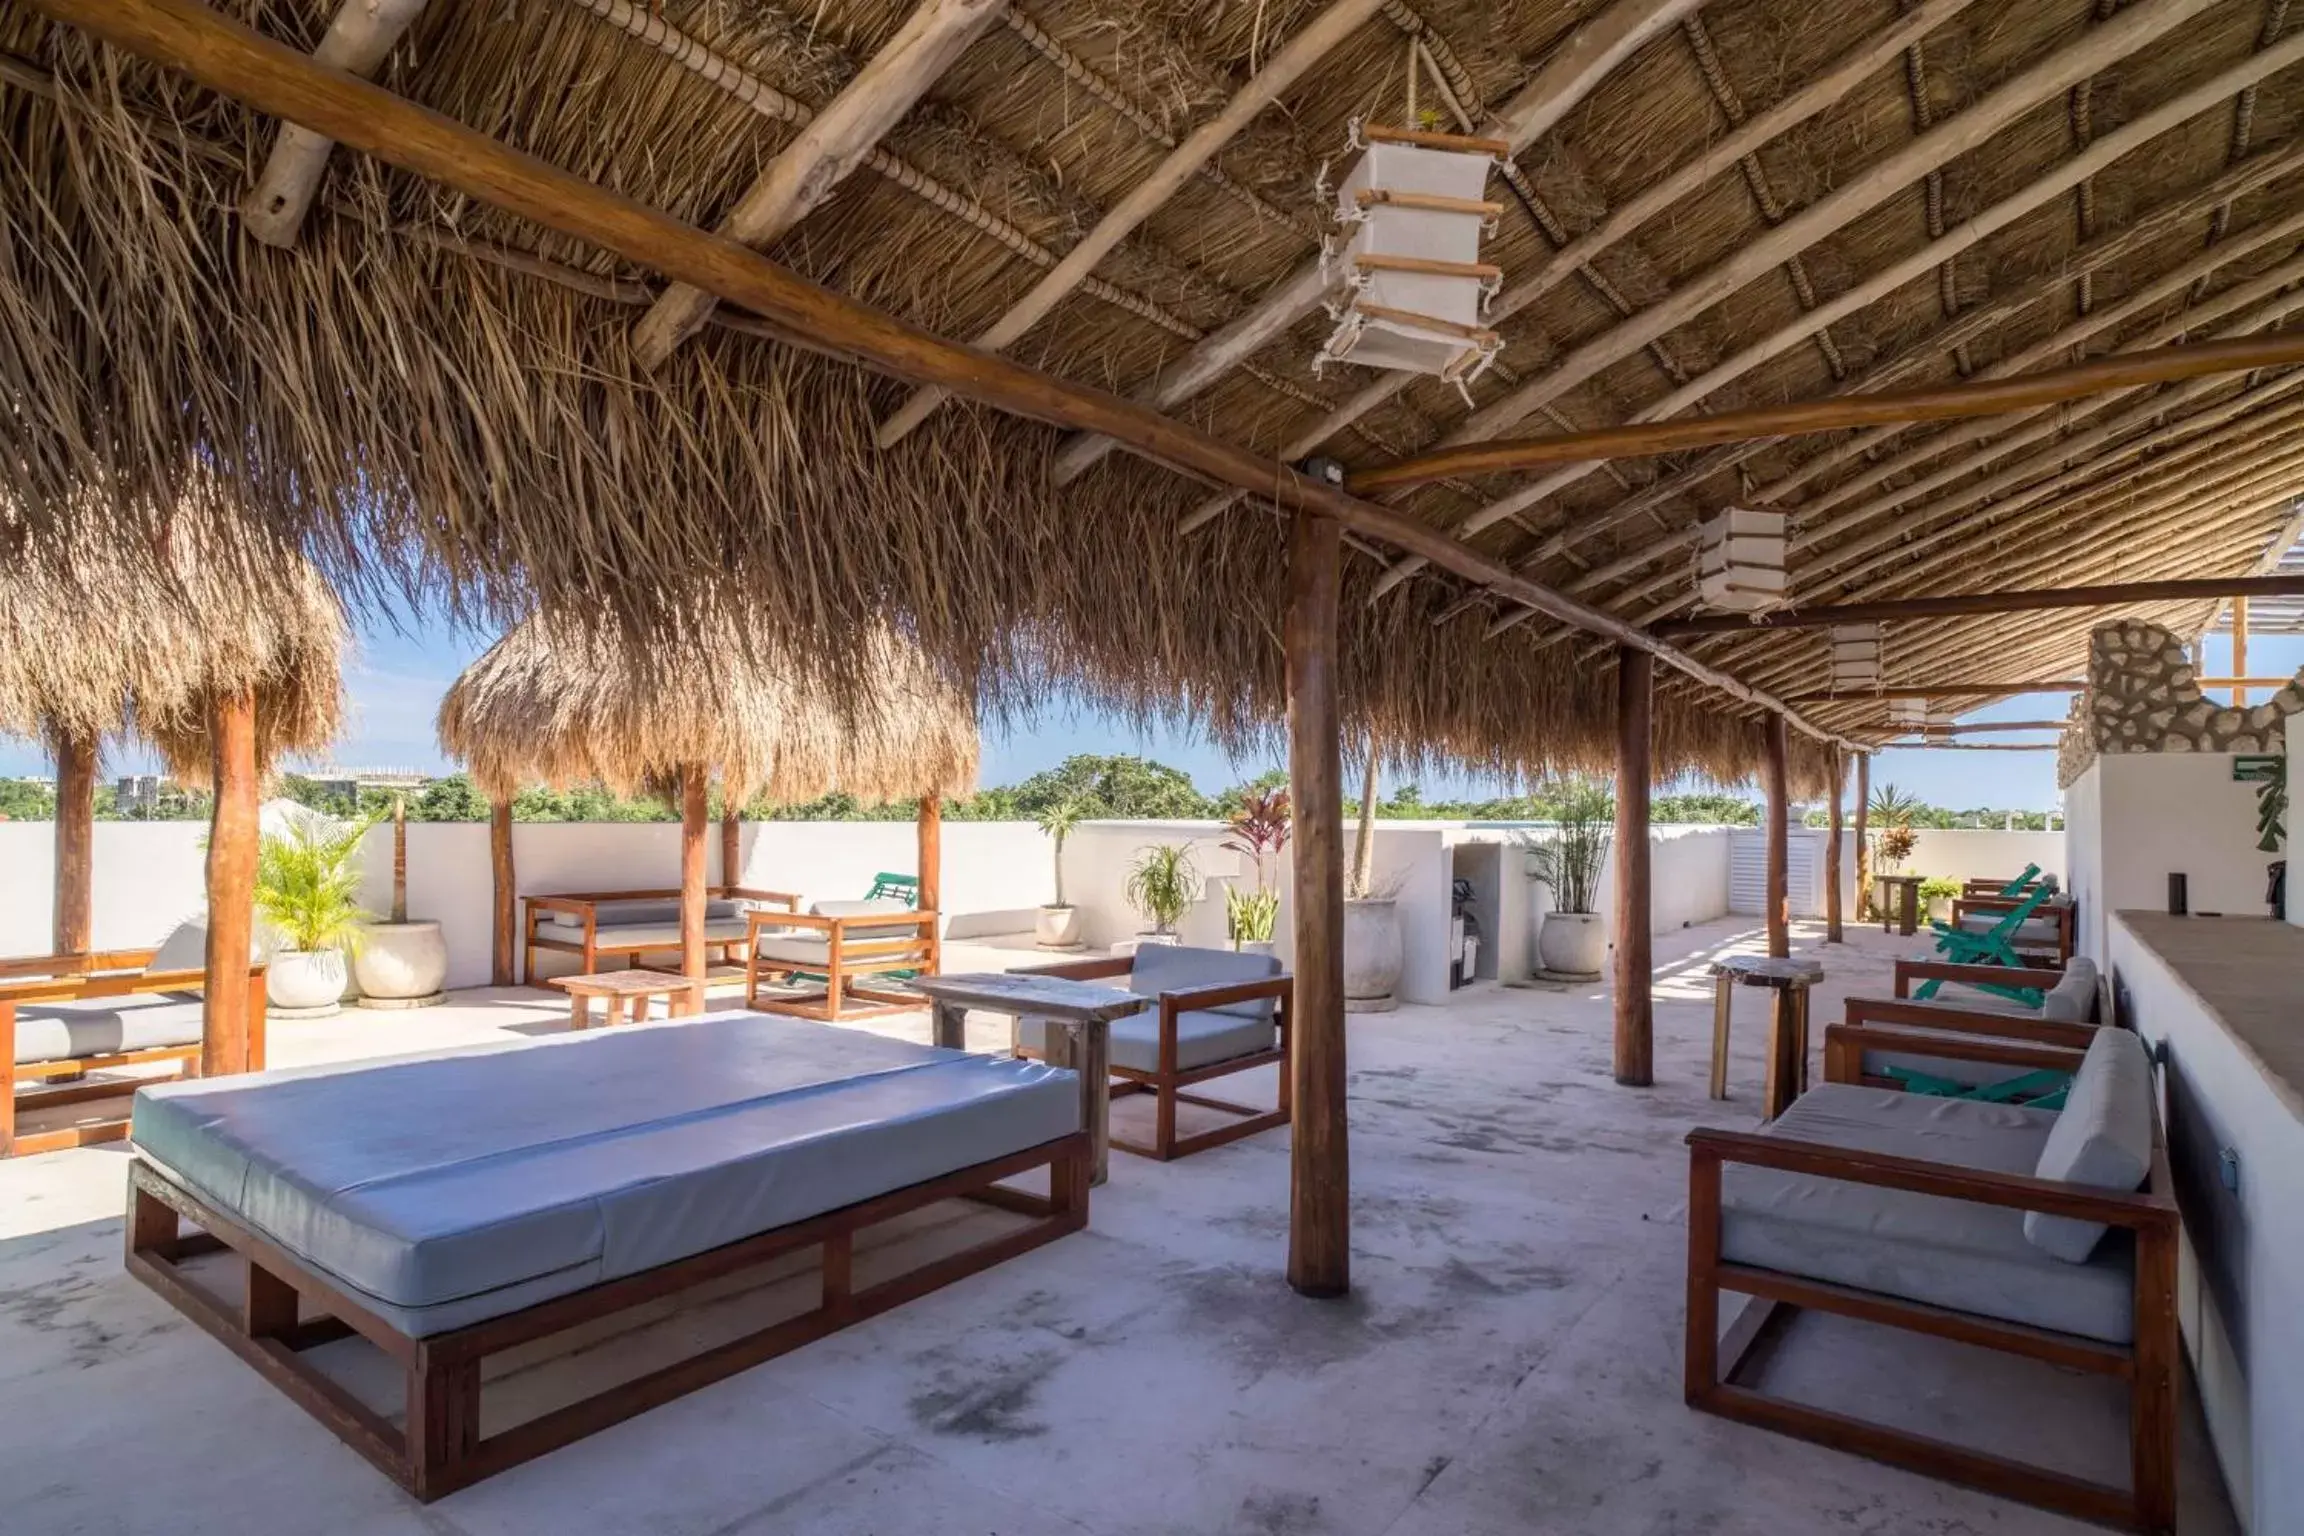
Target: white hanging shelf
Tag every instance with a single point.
(1415, 289)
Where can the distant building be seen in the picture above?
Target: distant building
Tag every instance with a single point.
(349, 782)
(140, 794)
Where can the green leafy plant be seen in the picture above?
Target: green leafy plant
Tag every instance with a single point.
(1939, 888)
(306, 883)
(1894, 846)
(1259, 830)
(1569, 857)
(1251, 917)
(1893, 807)
(1057, 821)
(1163, 882)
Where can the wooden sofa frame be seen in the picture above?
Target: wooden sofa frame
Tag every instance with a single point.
(71, 978)
(584, 906)
(2063, 913)
(2002, 1039)
(844, 997)
(2150, 1365)
(1169, 1083)
(289, 1307)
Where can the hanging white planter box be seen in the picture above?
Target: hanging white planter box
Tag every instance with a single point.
(1909, 714)
(1415, 288)
(1740, 561)
(1855, 657)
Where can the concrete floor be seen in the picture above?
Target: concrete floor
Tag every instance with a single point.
(1509, 1360)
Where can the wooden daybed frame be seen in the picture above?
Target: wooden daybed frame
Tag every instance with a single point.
(1168, 1084)
(64, 1081)
(920, 952)
(2150, 1365)
(585, 907)
(439, 1447)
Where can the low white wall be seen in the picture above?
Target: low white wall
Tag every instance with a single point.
(1985, 853)
(2242, 1325)
(148, 876)
(2136, 817)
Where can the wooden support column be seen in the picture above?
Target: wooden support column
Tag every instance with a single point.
(507, 905)
(693, 815)
(1320, 1201)
(1832, 933)
(1863, 843)
(75, 844)
(1635, 949)
(227, 1027)
(931, 866)
(731, 843)
(2239, 650)
(1779, 835)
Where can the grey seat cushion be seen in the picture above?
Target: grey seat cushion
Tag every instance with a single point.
(2033, 930)
(466, 1184)
(812, 948)
(1949, 1253)
(652, 935)
(2103, 1139)
(1204, 1037)
(1162, 968)
(2070, 1001)
(105, 1026)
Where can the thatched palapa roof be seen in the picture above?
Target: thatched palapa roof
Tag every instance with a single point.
(97, 643)
(1734, 203)
(562, 701)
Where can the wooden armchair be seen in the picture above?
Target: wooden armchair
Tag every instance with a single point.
(838, 943)
(2044, 932)
(629, 924)
(51, 1039)
(1187, 1040)
(1978, 1048)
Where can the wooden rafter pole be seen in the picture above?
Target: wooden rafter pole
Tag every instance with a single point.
(1834, 413)
(2103, 45)
(2239, 649)
(1863, 829)
(823, 154)
(1320, 1169)
(236, 62)
(694, 813)
(1296, 58)
(75, 844)
(1832, 929)
(731, 842)
(356, 41)
(229, 1026)
(1570, 73)
(929, 827)
(1943, 691)
(505, 889)
(2109, 596)
(1635, 1010)
(1778, 833)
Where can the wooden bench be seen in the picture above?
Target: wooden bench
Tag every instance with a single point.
(582, 910)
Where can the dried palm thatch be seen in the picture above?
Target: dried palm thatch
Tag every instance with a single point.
(563, 701)
(435, 396)
(97, 643)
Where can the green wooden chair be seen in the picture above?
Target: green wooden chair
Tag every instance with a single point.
(1994, 946)
(2022, 882)
(2034, 1090)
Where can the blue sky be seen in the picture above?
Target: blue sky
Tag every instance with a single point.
(397, 680)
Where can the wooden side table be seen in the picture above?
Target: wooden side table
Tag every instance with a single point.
(1900, 906)
(1081, 1014)
(1788, 981)
(618, 990)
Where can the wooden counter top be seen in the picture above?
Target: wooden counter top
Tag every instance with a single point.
(2249, 972)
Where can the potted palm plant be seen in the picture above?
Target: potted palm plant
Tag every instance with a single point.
(1058, 925)
(306, 885)
(1163, 882)
(1574, 940)
(1259, 831)
(400, 964)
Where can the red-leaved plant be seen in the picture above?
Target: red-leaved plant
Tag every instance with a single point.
(1259, 828)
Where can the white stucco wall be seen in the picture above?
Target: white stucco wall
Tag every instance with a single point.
(2247, 1367)
(2084, 857)
(2136, 817)
(1985, 853)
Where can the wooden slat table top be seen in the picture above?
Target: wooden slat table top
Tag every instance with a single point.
(1051, 997)
(1768, 970)
(632, 983)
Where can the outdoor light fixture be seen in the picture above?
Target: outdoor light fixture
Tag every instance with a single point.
(1855, 657)
(1740, 561)
(1414, 209)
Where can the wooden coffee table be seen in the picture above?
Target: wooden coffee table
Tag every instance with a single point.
(618, 990)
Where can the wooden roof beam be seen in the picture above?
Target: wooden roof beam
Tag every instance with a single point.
(357, 41)
(1296, 58)
(1961, 603)
(1569, 74)
(2102, 46)
(823, 154)
(1943, 691)
(231, 59)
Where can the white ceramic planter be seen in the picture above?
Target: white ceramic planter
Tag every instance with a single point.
(1371, 956)
(305, 984)
(1254, 946)
(401, 965)
(1057, 928)
(1573, 943)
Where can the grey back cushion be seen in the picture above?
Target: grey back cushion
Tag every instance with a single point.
(2072, 1000)
(185, 949)
(2102, 1139)
(866, 909)
(1173, 967)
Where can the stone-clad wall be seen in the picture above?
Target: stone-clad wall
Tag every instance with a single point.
(2143, 697)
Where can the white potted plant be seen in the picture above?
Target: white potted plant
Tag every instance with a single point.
(1372, 952)
(400, 964)
(1163, 883)
(305, 889)
(1058, 925)
(1574, 939)
(1259, 831)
